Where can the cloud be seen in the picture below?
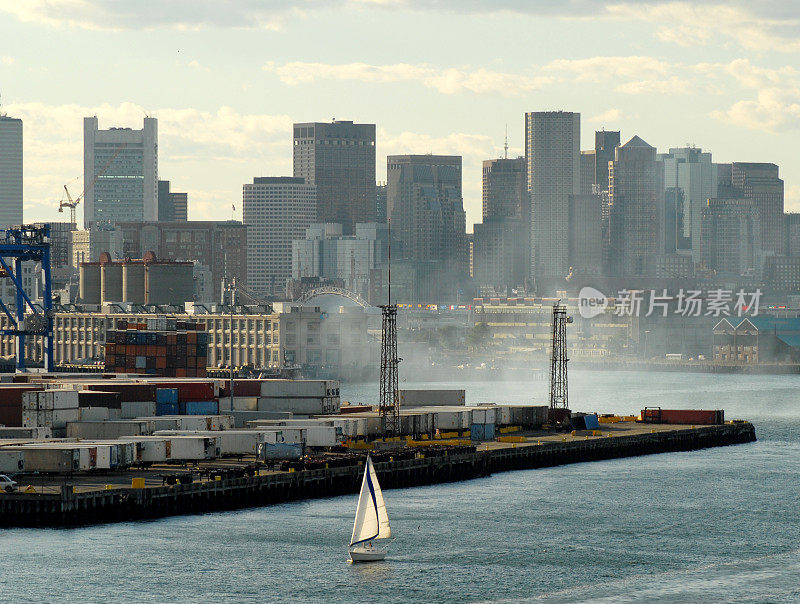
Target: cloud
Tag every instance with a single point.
(767, 25)
(776, 105)
(612, 115)
(763, 25)
(445, 81)
(603, 69)
(673, 85)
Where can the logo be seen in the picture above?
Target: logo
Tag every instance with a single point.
(591, 302)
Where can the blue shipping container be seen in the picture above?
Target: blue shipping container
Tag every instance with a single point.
(200, 408)
(167, 409)
(166, 395)
(591, 421)
(476, 432)
(280, 450)
(488, 432)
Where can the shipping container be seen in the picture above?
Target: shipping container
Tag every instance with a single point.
(168, 408)
(60, 459)
(268, 451)
(97, 398)
(167, 395)
(199, 408)
(592, 422)
(231, 442)
(11, 461)
(298, 388)
(129, 392)
(109, 430)
(296, 405)
(37, 432)
(151, 449)
(132, 409)
(488, 432)
(424, 398)
(476, 432)
(700, 417)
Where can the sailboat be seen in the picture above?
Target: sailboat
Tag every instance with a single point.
(372, 521)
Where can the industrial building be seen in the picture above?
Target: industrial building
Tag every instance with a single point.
(144, 281)
(220, 247)
(89, 244)
(757, 340)
(333, 342)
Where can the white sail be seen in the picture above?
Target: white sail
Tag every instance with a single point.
(384, 530)
(372, 521)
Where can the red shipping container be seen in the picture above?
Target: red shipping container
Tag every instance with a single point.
(128, 392)
(698, 417)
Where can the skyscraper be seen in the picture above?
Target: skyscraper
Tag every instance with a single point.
(120, 173)
(553, 159)
(10, 171)
(505, 189)
(637, 204)
(605, 142)
(501, 244)
(760, 183)
(339, 159)
(427, 211)
(731, 241)
(691, 171)
(276, 210)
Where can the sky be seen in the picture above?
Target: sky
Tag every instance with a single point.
(227, 78)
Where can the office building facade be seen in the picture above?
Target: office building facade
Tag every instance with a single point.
(172, 206)
(276, 211)
(636, 192)
(120, 172)
(339, 159)
(553, 160)
(10, 171)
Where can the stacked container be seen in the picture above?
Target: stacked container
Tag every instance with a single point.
(180, 349)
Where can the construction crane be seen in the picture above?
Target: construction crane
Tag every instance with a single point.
(70, 203)
(73, 203)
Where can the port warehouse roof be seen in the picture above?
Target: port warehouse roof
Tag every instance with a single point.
(786, 329)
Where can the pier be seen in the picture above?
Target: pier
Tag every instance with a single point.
(111, 498)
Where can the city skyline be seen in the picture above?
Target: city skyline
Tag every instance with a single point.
(227, 88)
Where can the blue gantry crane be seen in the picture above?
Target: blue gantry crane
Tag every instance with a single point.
(28, 243)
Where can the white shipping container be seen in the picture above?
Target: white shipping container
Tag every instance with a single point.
(190, 448)
(321, 436)
(151, 449)
(33, 432)
(94, 414)
(65, 399)
(109, 430)
(132, 409)
(284, 435)
(300, 388)
(301, 406)
(479, 416)
(11, 460)
(231, 442)
(420, 398)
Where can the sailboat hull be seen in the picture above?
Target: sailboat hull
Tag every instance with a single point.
(367, 554)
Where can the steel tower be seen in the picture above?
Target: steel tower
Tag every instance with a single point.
(559, 394)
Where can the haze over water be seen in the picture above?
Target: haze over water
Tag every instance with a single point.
(715, 525)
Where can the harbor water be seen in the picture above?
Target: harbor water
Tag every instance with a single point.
(715, 525)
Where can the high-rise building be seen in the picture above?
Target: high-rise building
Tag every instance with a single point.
(172, 206)
(428, 219)
(501, 244)
(552, 153)
(692, 172)
(760, 182)
(505, 189)
(339, 159)
(10, 171)
(380, 202)
(791, 223)
(585, 234)
(731, 241)
(499, 254)
(588, 161)
(277, 211)
(605, 142)
(120, 173)
(637, 204)
(220, 247)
